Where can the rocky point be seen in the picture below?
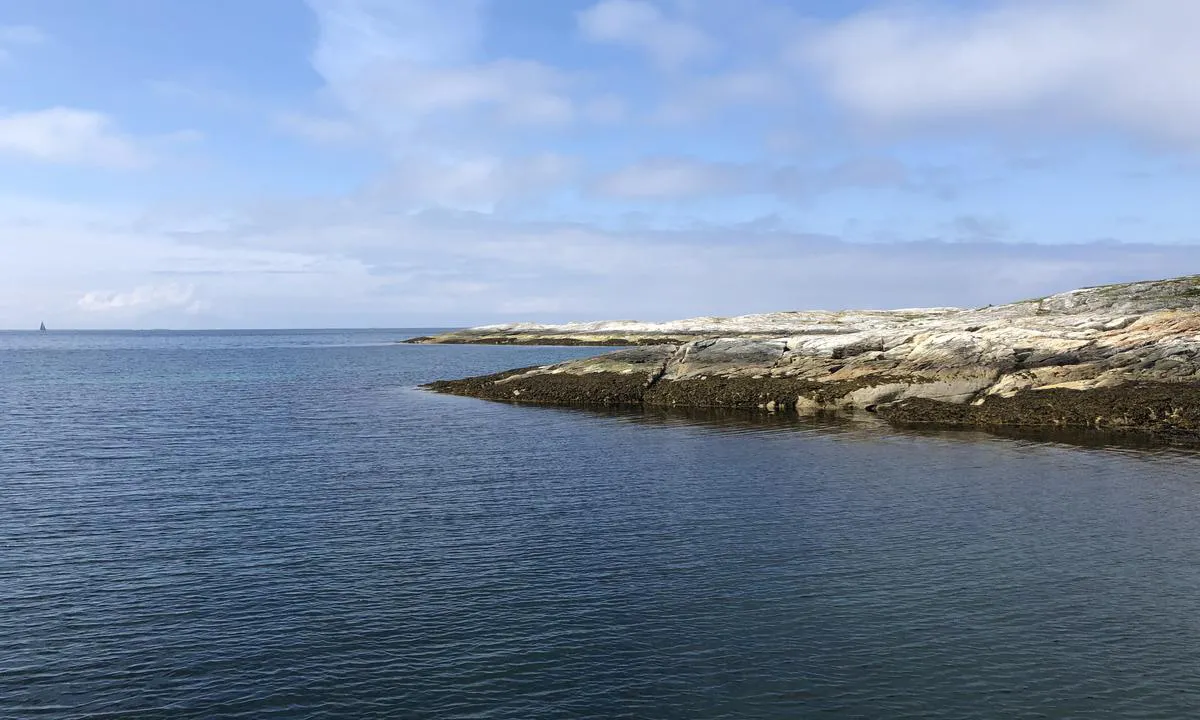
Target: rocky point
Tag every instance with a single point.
(1112, 357)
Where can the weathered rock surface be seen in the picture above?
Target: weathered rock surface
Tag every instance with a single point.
(1117, 356)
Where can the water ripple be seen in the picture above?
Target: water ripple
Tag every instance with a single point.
(278, 526)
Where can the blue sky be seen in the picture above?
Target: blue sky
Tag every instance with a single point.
(282, 163)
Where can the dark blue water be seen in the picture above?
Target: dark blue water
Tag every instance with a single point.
(279, 525)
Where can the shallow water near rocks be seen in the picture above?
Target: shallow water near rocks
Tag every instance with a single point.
(261, 525)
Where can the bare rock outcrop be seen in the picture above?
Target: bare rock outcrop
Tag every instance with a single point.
(1116, 356)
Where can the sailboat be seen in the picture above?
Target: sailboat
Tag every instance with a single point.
(42, 328)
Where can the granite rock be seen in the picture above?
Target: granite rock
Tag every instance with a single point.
(1094, 347)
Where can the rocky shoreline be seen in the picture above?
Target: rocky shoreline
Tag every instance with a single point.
(1118, 357)
(464, 338)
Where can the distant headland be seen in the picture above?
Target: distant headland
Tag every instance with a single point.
(1115, 357)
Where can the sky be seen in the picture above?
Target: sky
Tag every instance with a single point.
(428, 163)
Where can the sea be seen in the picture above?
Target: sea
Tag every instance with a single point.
(283, 525)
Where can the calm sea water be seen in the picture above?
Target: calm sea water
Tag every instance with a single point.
(278, 525)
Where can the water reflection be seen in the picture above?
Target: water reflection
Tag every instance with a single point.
(865, 426)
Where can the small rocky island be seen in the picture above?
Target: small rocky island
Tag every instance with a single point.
(1116, 357)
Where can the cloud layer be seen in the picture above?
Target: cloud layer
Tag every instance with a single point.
(640, 24)
(70, 137)
(465, 161)
(1103, 63)
(144, 299)
(386, 269)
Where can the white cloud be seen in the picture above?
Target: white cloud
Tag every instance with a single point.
(14, 36)
(474, 183)
(416, 31)
(401, 67)
(144, 299)
(360, 263)
(672, 177)
(467, 140)
(663, 178)
(68, 136)
(77, 266)
(1121, 63)
(515, 91)
(637, 23)
(410, 79)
